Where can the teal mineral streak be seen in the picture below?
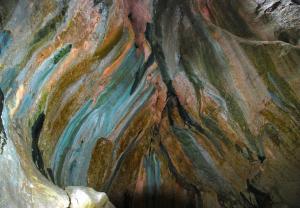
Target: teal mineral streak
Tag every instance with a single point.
(58, 56)
(65, 140)
(7, 75)
(279, 96)
(40, 77)
(152, 166)
(5, 41)
(46, 69)
(71, 158)
(7, 78)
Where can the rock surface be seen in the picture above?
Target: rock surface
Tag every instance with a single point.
(87, 197)
(158, 103)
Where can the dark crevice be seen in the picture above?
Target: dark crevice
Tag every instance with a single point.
(296, 1)
(246, 202)
(273, 7)
(35, 134)
(51, 176)
(182, 112)
(288, 36)
(284, 36)
(96, 2)
(3, 141)
(261, 158)
(140, 73)
(70, 201)
(37, 126)
(258, 7)
(3, 138)
(263, 199)
(130, 17)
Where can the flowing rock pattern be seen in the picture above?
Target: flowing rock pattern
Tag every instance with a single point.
(158, 103)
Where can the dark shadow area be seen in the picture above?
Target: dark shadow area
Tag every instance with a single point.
(35, 133)
(263, 199)
(296, 1)
(158, 200)
(3, 138)
(289, 36)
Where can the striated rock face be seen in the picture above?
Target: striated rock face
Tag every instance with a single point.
(158, 103)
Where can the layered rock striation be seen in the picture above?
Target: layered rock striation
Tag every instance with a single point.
(158, 103)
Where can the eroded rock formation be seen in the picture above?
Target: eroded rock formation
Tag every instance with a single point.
(158, 103)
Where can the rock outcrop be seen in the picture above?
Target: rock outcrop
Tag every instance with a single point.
(158, 103)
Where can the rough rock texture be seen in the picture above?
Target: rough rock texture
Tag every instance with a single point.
(158, 103)
(87, 197)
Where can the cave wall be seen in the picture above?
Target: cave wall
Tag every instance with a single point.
(158, 103)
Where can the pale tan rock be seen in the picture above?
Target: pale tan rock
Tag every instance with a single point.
(84, 197)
